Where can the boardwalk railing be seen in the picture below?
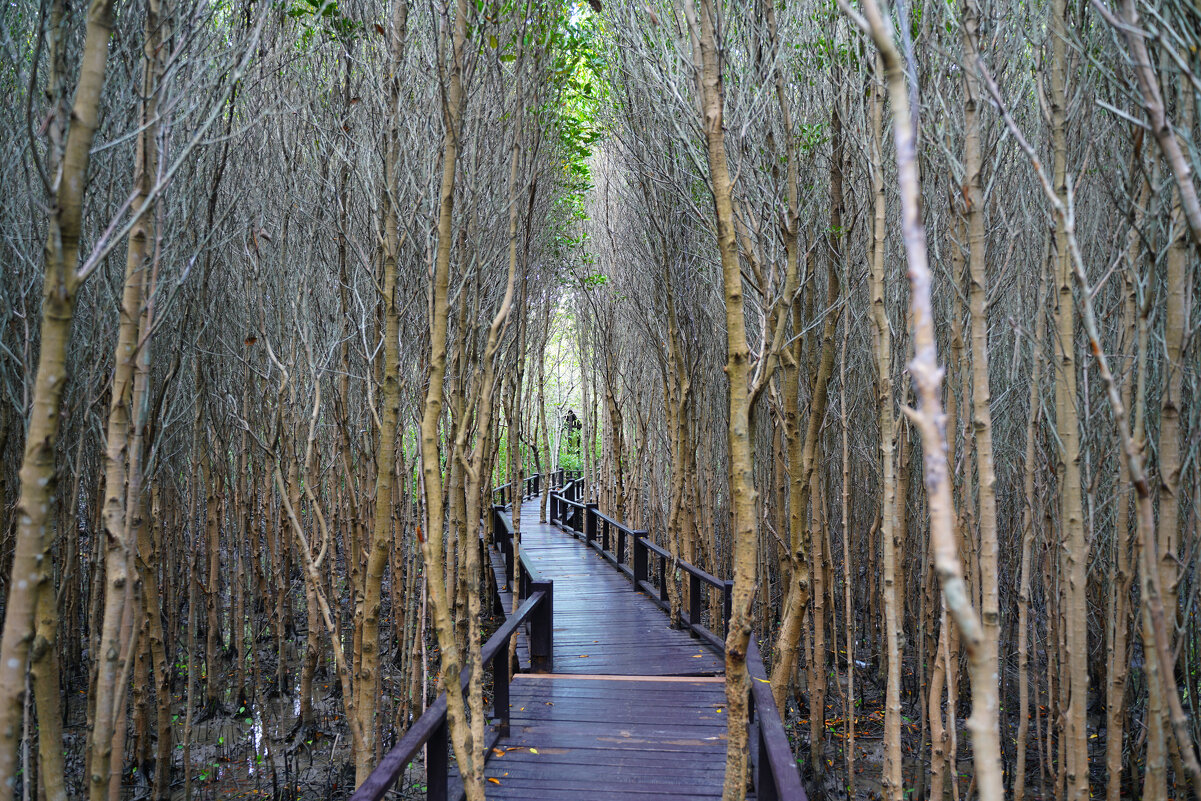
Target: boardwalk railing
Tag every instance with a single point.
(774, 770)
(531, 486)
(431, 729)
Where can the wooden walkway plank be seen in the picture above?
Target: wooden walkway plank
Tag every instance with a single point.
(612, 738)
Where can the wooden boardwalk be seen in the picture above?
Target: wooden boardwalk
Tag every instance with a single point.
(633, 710)
(610, 702)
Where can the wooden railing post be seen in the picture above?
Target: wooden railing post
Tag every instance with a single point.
(604, 535)
(500, 689)
(640, 566)
(500, 535)
(437, 764)
(542, 627)
(694, 600)
(663, 578)
(590, 522)
(727, 606)
(621, 543)
(494, 598)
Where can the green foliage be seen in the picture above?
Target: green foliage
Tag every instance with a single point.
(579, 90)
(811, 136)
(322, 19)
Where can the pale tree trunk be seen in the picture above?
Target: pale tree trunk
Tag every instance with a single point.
(1118, 624)
(1029, 510)
(123, 459)
(990, 613)
(893, 778)
(149, 557)
(938, 733)
(1171, 458)
(476, 477)
(981, 396)
(928, 419)
(44, 654)
(432, 545)
(385, 459)
(312, 649)
(31, 558)
(848, 617)
(816, 665)
(1075, 546)
(742, 486)
(802, 462)
(516, 427)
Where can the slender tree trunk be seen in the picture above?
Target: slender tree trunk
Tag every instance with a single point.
(848, 616)
(214, 644)
(988, 716)
(31, 557)
(928, 419)
(467, 751)
(123, 459)
(385, 459)
(1177, 294)
(893, 778)
(1029, 512)
(1075, 546)
(1118, 623)
(745, 532)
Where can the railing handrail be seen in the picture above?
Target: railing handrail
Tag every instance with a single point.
(380, 781)
(687, 567)
(538, 607)
(506, 518)
(780, 777)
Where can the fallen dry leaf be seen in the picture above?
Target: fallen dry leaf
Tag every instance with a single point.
(494, 781)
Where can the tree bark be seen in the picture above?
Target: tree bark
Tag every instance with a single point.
(31, 558)
(378, 547)
(928, 419)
